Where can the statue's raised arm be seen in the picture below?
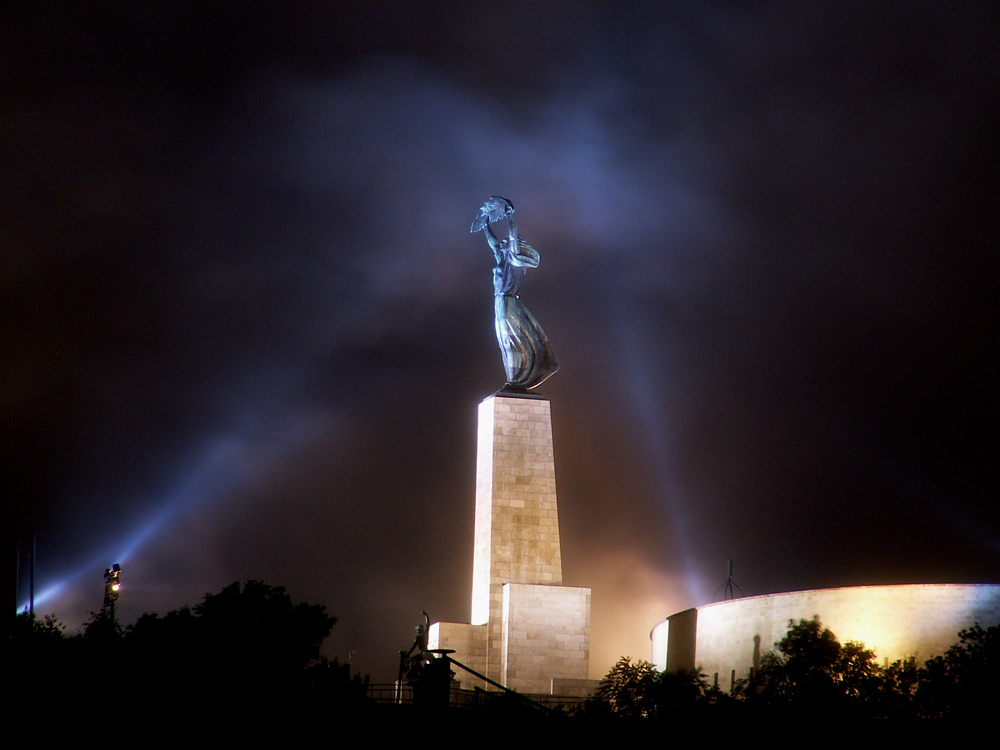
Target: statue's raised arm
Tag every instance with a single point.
(528, 358)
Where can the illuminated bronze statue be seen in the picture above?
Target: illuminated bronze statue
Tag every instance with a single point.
(527, 355)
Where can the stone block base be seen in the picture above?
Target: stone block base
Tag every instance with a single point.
(545, 636)
(469, 644)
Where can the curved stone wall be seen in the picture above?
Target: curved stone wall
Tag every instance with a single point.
(726, 639)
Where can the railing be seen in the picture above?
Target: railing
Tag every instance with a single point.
(429, 687)
(390, 692)
(460, 698)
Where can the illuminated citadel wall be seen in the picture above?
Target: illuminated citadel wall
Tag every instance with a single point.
(724, 640)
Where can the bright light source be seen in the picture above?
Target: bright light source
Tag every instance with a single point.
(111, 586)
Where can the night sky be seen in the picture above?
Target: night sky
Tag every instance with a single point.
(245, 328)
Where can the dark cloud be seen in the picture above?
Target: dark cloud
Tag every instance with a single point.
(246, 327)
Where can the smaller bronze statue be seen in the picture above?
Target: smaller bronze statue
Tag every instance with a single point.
(414, 660)
(528, 358)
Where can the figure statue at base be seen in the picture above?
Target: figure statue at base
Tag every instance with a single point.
(528, 358)
(413, 661)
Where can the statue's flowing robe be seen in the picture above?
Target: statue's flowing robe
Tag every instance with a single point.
(528, 358)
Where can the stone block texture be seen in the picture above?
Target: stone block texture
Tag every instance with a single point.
(469, 644)
(545, 636)
(527, 629)
(517, 518)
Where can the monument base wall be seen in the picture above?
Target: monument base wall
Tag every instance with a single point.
(469, 644)
(528, 631)
(545, 636)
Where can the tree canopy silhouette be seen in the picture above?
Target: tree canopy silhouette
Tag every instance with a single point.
(247, 648)
(638, 691)
(811, 673)
(248, 639)
(962, 684)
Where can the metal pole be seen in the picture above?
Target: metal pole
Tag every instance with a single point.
(17, 574)
(31, 582)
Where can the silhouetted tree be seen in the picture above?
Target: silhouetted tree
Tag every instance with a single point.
(962, 683)
(258, 624)
(811, 673)
(684, 693)
(332, 681)
(36, 649)
(249, 642)
(899, 685)
(28, 629)
(638, 691)
(102, 626)
(247, 651)
(627, 691)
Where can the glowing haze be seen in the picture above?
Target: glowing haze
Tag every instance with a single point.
(246, 329)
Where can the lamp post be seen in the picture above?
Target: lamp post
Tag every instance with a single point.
(112, 585)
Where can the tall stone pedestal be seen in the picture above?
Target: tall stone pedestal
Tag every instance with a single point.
(527, 631)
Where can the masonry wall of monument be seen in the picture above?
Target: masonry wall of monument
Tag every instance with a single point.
(545, 635)
(726, 639)
(469, 644)
(528, 632)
